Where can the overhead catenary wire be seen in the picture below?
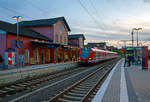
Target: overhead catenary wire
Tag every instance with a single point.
(22, 14)
(16, 12)
(92, 17)
(88, 12)
(5, 17)
(37, 7)
(97, 14)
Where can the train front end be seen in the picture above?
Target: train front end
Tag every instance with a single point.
(84, 55)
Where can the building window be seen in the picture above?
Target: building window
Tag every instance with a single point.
(81, 43)
(56, 37)
(48, 57)
(65, 40)
(26, 56)
(61, 39)
(61, 28)
(36, 55)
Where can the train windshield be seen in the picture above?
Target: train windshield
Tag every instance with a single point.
(85, 52)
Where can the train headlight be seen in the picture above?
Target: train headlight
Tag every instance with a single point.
(90, 58)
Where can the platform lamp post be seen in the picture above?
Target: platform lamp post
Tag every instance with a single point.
(124, 51)
(137, 29)
(17, 39)
(132, 38)
(136, 51)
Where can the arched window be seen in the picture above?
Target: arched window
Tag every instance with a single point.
(61, 28)
(26, 55)
(48, 56)
(36, 56)
(56, 37)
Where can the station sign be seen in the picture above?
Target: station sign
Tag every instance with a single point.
(16, 43)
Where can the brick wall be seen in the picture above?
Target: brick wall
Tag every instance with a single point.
(63, 35)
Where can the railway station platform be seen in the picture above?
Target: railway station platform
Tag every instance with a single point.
(125, 84)
(12, 75)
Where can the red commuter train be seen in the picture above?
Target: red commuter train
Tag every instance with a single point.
(93, 55)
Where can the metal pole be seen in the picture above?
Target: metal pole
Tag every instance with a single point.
(137, 38)
(132, 38)
(124, 43)
(17, 43)
(125, 53)
(17, 39)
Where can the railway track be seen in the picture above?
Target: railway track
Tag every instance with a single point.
(31, 83)
(55, 84)
(82, 90)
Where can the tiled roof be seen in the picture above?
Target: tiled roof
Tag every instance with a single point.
(45, 22)
(101, 44)
(74, 36)
(11, 28)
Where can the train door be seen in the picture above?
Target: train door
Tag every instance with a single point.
(101, 55)
(96, 56)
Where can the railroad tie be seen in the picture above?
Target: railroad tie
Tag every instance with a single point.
(78, 91)
(76, 94)
(81, 89)
(72, 97)
(65, 100)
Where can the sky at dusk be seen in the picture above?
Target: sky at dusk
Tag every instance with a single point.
(97, 19)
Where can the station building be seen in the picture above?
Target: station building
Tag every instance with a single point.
(99, 45)
(8, 42)
(40, 41)
(76, 42)
(55, 29)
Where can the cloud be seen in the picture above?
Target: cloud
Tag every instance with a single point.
(146, 1)
(114, 32)
(117, 31)
(116, 24)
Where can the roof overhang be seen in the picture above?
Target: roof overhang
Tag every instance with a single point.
(43, 44)
(2, 31)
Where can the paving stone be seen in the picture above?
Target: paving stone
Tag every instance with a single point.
(140, 80)
(112, 93)
(137, 81)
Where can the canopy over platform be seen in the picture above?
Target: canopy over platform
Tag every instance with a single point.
(43, 44)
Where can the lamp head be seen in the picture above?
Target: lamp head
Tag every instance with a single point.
(17, 17)
(135, 29)
(139, 28)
